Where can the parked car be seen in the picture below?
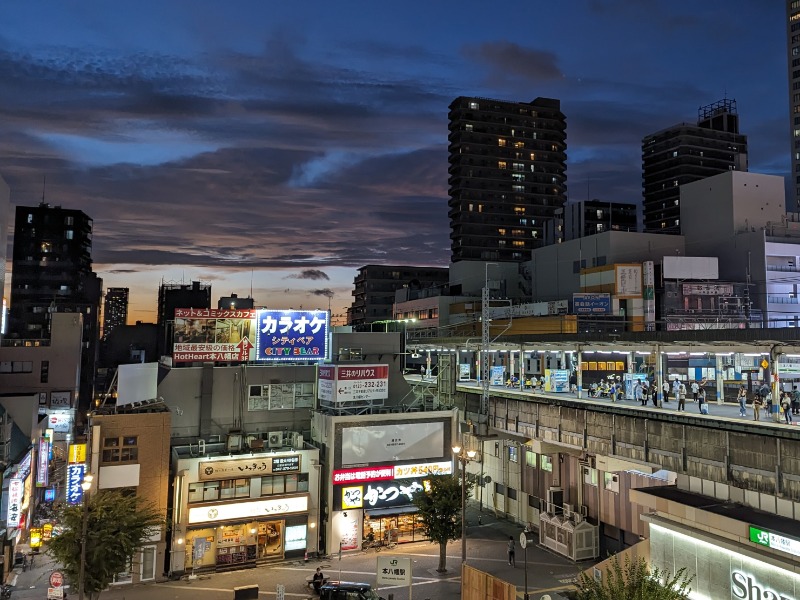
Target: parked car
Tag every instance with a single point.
(347, 590)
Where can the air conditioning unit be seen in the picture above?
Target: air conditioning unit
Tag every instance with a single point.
(568, 510)
(297, 441)
(234, 442)
(275, 439)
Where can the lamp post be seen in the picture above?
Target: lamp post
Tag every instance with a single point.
(86, 485)
(463, 456)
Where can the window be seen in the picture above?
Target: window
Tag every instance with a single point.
(499, 488)
(124, 449)
(513, 455)
(512, 494)
(44, 372)
(590, 476)
(518, 188)
(530, 459)
(501, 142)
(547, 463)
(474, 105)
(16, 366)
(501, 164)
(468, 127)
(611, 482)
(234, 488)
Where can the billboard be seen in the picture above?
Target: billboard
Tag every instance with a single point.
(591, 304)
(291, 335)
(392, 442)
(16, 488)
(213, 335)
(60, 421)
(556, 380)
(628, 281)
(377, 495)
(74, 479)
(43, 463)
(358, 383)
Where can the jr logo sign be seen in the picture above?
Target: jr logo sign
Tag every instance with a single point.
(746, 587)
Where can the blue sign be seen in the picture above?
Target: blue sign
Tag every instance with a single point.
(49, 494)
(292, 335)
(591, 304)
(74, 480)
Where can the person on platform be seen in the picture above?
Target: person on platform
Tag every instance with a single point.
(681, 396)
(742, 398)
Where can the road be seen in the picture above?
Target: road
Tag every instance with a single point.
(486, 550)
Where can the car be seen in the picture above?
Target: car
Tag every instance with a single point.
(347, 590)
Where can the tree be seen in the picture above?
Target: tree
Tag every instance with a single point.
(439, 507)
(634, 581)
(118, 526)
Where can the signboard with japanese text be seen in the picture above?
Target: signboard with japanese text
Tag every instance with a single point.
(497, 375)
(628, 280)
(291, 335)
(591, 304)
(60, 421)
(556, 380)
(357, 383)
(74, 479)
(77, 453)
(213, 335)
(24, 466)
(244, 510)
(43, 463)
(464, 371)
(708, 289)
(774, 540)
(381, 494)
(16, 488)
(393, 570)
(392, 442)
(248, 467)
(61, 399)
(388, 472)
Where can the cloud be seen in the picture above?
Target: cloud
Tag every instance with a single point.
(313, 274)
(327, 292)
(508, 60)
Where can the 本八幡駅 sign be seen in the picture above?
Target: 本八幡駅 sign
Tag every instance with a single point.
(292, 335)
(773, 540)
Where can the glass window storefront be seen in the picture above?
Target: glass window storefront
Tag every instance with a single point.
(397, 528)
(230, 545)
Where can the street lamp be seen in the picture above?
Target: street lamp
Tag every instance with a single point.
(86, 485)
(464, 456)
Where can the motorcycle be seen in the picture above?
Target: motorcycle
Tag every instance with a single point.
(5, 591)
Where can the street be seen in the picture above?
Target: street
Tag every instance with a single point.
(486, 550)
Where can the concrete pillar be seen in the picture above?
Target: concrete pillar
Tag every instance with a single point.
(578, 371)
(521, 367)
(720, 360)
(658, 367)
(773, 378)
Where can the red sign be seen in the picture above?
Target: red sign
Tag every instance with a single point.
(363, 474)
(368, 372)
(56, 579)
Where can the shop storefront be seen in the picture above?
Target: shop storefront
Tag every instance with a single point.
(232, 512)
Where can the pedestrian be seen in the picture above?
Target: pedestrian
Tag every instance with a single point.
(638, 394)
(757, 407)
(665, 388)
(766, 397)
(681, 397)
(742, 398)
(654, 392)
(701, 401)
(695, 390)
(786, 407)
(795, 401)
(511, 548)
(318, 580)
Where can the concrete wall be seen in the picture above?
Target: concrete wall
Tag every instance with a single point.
(553, 276)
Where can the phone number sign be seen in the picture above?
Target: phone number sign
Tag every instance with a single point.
(342, 384)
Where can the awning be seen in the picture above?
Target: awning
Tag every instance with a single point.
(387, 512)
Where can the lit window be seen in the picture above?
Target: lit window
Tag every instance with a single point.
(519, 144)
(533, 156)
(501, 164)
(501, 231)
(512, 454)
(501, 142)
(468, 126)
(518, 188)
(474, 105)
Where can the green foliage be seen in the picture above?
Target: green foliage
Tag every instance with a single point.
(634, 581)
(118, 526)
(440, 511)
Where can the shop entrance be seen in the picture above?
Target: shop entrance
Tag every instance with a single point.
(396, 525)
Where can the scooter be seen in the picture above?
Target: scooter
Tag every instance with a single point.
(5, 591)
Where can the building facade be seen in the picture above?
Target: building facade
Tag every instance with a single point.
(178, 295)
(375, 285)
(589, 217)
(685, 153)
(507, 176)
(115, 311)
(793, 62)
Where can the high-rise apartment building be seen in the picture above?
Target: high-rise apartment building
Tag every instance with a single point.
(115, 309)
(685, 153)
(51, 271)
(177, 295)
(507, 176)
(793, 49)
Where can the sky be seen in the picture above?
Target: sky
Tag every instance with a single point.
(278, 146)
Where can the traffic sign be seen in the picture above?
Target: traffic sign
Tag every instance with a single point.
(764, 363)
(56, 579)
(55, 593)
(527, 538)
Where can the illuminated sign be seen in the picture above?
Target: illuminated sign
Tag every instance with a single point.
(74, 480)
(43, 463)
(248, 467)
(36, 537)
(60, 422)
(359, 383)
(49, 494)
(243, 510)
(61, 399)
(775, 541)
(394, 570)
(381, 494)
(24, 466)
(745, 586)
(292, 335)
(213, 335)
(77, 453)
(591, 304)
(387, 473)
(14, 512)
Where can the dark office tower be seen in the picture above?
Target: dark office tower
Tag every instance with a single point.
(793, 47)
(51, 271)
(116, 309)
(508, 176)
(233, 302)
(177, 295)
(685, 153)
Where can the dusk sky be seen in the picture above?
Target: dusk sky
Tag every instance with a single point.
(289, 143)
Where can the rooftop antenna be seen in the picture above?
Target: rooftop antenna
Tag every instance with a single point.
(251, 283)
(44, 186)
